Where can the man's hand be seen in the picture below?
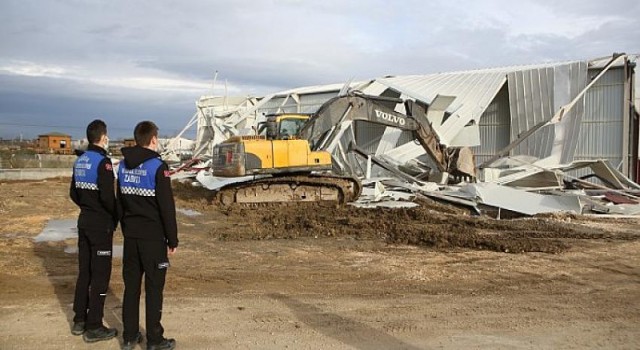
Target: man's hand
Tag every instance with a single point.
(171, 251)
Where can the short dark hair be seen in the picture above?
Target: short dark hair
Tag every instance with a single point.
(95, 130)
(144, 132)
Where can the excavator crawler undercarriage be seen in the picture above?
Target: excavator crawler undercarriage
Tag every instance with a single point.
(320, 188)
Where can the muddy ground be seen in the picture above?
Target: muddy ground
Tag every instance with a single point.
(324, 277)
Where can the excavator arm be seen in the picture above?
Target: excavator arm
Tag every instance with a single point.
(325, 125)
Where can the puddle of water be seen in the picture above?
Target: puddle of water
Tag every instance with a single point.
(188, 212)
(58, 230)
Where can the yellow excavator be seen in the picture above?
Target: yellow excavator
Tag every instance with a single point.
(283, 167)
(276, 150)
(287, 161)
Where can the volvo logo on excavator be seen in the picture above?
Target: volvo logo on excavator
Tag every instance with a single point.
(390, 117)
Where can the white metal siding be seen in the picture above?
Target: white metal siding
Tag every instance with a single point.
(535, 95)
(601, 136)
(368, 135)
(311, 102)
(495, 127)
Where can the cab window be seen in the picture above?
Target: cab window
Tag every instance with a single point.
(290, 127)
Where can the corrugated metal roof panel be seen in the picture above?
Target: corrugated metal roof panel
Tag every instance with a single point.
(602, 61)
(321, 88)
(474, 91)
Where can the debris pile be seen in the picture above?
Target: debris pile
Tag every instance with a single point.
(532, 130)
(524, 193)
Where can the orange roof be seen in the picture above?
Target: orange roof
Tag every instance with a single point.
(54, 134)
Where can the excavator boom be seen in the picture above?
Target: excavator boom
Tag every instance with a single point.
(323, 127)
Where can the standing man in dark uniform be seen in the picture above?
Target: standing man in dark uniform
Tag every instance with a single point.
(150, 234)
(93, 190)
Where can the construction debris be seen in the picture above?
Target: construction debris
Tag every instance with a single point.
(530, 128)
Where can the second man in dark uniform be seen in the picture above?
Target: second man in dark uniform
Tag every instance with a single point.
(150, 234)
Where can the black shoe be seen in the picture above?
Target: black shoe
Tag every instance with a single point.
(98, 334)
(130, 344)
(78, 328)
(165, 344)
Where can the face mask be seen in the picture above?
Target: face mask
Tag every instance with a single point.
(106, 143)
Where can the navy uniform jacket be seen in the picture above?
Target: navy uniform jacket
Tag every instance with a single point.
(144, 191)
(93, 190)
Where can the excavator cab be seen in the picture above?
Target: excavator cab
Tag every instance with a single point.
(276, 150)
(282, 126)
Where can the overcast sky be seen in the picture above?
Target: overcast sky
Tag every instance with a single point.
(66, 62)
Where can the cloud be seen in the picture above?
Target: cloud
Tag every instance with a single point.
(126, 81)
(31, 69)
(151, 54)
(537, 18)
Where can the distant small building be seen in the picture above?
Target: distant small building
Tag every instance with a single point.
(129, 142)
(55, 142)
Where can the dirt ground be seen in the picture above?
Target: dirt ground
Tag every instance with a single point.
(322, 277)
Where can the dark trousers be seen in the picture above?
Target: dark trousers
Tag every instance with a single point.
(148, 258)
(94, 265)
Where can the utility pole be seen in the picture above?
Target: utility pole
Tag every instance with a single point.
(213, 88)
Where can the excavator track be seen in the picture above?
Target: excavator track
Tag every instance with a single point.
(279, 190)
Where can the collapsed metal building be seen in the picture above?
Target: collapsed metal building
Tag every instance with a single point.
(528, 126)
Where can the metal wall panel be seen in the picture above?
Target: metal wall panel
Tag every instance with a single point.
(317, 99)
(311, 102)
(368, 135)
(530, 96)
(495, 127)
(577, 79)
(272, 105)
(308, 103)
(601, 135)
(535, 95)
